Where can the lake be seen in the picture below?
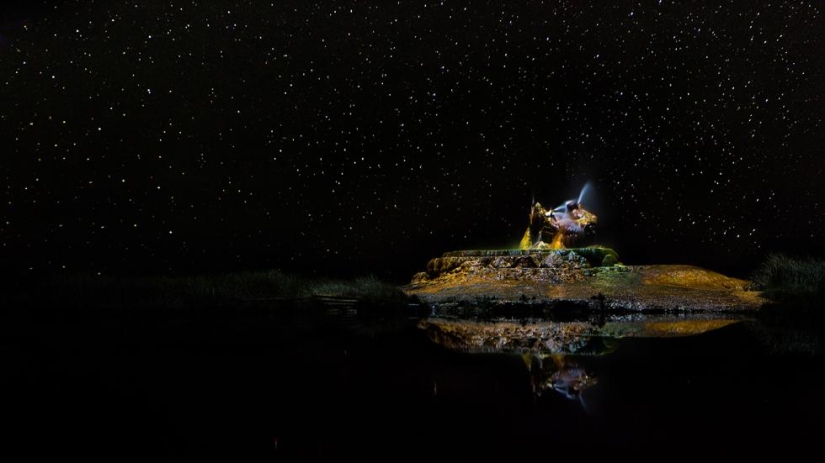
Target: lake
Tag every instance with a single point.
(292, 383)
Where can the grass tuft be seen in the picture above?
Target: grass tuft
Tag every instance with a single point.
(785, 278)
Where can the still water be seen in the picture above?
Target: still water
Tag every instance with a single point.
(273, 386)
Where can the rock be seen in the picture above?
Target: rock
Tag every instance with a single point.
(502, 262)
(589, 278)
(463, 261)
(527, 261)
(569, 225)
(420, 277)
(553, 260)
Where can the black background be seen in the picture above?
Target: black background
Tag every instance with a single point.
(344, 138)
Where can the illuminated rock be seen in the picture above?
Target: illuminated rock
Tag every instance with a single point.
(573, 278)
(547, 271)
(481, 261)
(569, 225)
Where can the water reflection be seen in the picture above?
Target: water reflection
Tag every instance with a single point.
(561, 337)
(561, 356)
(564, 374)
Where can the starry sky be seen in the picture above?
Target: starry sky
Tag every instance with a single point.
(337, 137)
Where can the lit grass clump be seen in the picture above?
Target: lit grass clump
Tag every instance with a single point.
(781, 277)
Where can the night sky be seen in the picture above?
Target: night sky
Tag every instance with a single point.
(354, 137)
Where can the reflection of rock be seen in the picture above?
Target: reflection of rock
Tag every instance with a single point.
(557, 354)
(561, 373)
(569, 337)
(512, 337)
(571, 381)
(588, 278)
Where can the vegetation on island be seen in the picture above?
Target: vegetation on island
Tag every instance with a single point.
(790, 279)
(218, 290)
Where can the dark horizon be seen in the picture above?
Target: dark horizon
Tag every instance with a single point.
(340, 138)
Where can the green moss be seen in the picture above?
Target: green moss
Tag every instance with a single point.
(609, 260)
(598, 256)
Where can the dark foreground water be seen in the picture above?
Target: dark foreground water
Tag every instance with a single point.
(264, 386)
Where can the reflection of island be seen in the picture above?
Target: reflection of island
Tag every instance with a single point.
(557, 265)
(556, 353)
(567, 337)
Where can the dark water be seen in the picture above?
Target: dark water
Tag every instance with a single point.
(267, 387)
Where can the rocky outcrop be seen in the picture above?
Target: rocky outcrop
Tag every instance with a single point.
(587, 278)
(569, 225)
(540, 265)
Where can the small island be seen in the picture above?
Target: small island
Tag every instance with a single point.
(554, 269)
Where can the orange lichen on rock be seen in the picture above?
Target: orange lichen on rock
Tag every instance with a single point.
(567, 277)
(691, 277)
